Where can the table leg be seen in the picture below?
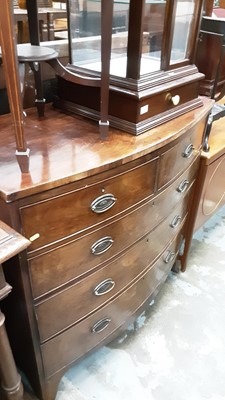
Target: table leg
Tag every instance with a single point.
(11, 385)
(9, 56)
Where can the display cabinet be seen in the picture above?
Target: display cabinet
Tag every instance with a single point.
(153, 77)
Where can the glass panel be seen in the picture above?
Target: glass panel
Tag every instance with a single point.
(152, 35)
(118, 63)
(183, 22)
(85, 28)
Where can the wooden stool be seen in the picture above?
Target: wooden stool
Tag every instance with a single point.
(33, 55)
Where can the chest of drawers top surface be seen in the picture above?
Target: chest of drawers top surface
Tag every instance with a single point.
(65, 149)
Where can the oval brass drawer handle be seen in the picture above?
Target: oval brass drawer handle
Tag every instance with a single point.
(188, 151)
(102, 245)
(183, 186)
(104, 287)
(100, 325)
(103, 203)
(169, 256)
(176, 221)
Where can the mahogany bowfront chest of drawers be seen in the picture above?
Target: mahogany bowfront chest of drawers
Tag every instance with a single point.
(107, 221)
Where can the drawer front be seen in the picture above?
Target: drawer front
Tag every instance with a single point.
(65, 263)
(81, 338)
(179, 157)
(92, 292)
(61, 216)
(162, 102)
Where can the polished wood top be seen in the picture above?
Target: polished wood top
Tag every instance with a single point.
(11, 242)
(65, 148)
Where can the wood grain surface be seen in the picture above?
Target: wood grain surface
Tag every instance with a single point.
(66, 148)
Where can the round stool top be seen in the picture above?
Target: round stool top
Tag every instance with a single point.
(31, 53)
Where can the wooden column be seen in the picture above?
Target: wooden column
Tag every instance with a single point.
(106, 33)
(11, 385)
(10, 63)
(209, 7)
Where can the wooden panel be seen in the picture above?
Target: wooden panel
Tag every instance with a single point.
(80, 299)
(64, 263)
(46, 217)
(69, 346)
(173, 161)
(213, 191)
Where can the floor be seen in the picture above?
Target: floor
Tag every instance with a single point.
(175, 350)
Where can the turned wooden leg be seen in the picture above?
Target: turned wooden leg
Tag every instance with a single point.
(40, 100)
(10, 64)
(11, 385)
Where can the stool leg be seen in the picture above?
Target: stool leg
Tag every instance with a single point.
(11, 385)
(40, 100)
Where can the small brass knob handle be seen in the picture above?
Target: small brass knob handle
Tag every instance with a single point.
(175, 100)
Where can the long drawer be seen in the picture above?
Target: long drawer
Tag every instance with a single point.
(180, 156)
(71, 260)
(92, 292)
(79, 339)
(63, 215)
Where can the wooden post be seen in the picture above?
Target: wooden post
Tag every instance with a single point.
(222, 3)
(10, 381)
(11, 385)
(10, 63)
(209, 7)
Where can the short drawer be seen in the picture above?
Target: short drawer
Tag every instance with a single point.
(179, 157)
(99, 287)
(71, 260)
(172, 100)
(58, 217)
(69, 346)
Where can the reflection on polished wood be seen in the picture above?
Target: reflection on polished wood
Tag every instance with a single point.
(66, 148)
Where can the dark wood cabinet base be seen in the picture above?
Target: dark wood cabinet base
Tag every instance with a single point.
(135, 110)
